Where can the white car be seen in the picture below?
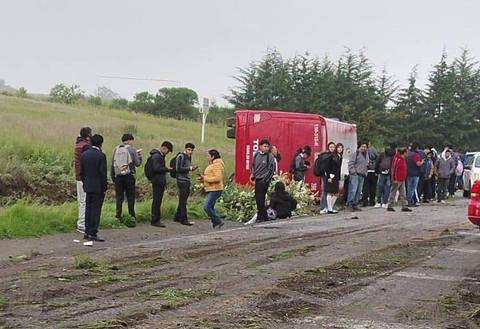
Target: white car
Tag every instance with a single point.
(471, 171)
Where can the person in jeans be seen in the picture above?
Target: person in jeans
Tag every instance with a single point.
(414, 171)
(93, 172)
(159, 180)
(262, 171)
(398, 174)
(125, 179)
(357, 169)
(444, 167)
(383, 167)
(81, 145)
(184, 168)
(212, 180)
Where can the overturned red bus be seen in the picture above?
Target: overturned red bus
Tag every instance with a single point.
(288, 131)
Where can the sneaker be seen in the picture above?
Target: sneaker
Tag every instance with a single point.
(390, 209)
(186, 223)
(418, 204)
(81, 230)
(378, 205)
(332, 212)
(406, 209)
(443, 201)
(158, 224)
(218, 225)
(385, 205)
(324, 211)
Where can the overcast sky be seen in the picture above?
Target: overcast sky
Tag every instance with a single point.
(201, 43)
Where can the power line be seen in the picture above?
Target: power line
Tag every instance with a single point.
(135, 78)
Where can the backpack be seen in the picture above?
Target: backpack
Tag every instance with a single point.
(148, 169)
(320, 164)
(122, 160)
(173, 165)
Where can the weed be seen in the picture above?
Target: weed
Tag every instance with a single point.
(109, 278)
(3, 302)
(85, 262)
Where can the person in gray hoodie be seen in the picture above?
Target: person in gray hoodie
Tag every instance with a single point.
(124, 178)
(445, 167)
(358, 170)
(184, 168)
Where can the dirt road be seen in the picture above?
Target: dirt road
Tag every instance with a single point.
(382, 270)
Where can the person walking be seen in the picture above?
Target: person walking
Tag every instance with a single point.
(332, 171)
(444, 167)
(301, 165)
(383, 167)
(125, 159)
(93, 172)
(184, 168)
(159, 180)
(414, 171)
(81, 145)
(262, 171)
(212, 180)
(398, 175)
(357, 169)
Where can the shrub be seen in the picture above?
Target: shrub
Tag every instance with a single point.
(119, 103)
(64, 94)
(85, 262)
(95, 100)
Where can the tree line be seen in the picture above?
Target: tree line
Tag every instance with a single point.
(445, 111)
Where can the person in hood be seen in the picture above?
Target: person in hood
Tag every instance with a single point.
(212, 180)
(398, 174)
(159, 180)
(81, 145)
(444, 167)
(281, 202)
(383, 167)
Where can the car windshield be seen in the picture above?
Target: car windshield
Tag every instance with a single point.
(469, 159)
(477, 162)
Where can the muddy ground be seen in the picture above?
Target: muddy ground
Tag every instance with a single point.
(382, 270)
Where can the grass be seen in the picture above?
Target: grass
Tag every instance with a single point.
(85, 262)
(32, 219)
(176, 295)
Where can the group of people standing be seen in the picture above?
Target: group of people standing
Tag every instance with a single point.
(410, 175)
(91, 180)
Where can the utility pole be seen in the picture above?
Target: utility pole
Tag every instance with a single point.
(204, 112)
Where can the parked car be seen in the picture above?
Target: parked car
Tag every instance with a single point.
(474, 204)
(471, 172)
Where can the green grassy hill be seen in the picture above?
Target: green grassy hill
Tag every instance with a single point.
(37, 140)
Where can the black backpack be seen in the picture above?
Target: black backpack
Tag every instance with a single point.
(320, 165)
(173, 165)
(148, 169)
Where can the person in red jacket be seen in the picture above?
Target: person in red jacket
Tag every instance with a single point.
(399, 175)
(81, 145)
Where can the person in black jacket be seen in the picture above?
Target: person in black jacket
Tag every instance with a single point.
(93, 171)
(159, 180)
(282, 202)
(184, 168)
(332, 173)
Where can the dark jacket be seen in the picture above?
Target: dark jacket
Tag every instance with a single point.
(358, 164)
(384, 162)
(413, 170)
(183, 167)
(263, 166)
(282, 202)
(300, 168)
(93, 170)
(159, 167)
(81, 145)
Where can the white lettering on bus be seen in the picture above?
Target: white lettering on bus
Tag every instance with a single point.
(316, 138)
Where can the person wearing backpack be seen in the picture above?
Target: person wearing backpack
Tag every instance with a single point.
(384, 164)
(125, 159)
(262, 171)
(183, 173)
(156, 172)
(300, 165)
(81, 145)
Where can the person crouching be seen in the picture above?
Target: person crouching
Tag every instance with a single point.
(281, 203)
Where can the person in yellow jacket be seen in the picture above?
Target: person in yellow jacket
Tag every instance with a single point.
(213, 182)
